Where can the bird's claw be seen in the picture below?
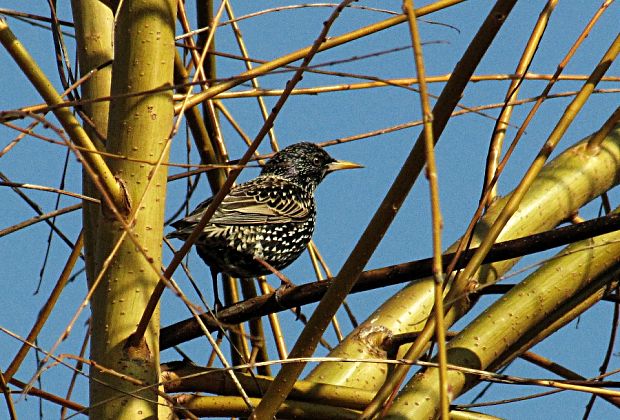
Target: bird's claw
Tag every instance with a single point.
(284, 286)
(217, 307)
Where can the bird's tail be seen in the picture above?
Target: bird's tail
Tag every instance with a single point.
(182, 230)
(175, 235)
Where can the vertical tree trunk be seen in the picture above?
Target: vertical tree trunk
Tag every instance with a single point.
(94, 33)
(138, 129)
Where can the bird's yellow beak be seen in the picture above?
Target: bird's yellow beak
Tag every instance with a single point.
(342, 164)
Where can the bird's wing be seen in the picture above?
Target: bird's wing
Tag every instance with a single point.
(270, 201)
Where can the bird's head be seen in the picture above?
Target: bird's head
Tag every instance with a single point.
(305, 163)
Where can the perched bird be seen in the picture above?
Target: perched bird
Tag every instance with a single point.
(270, 218)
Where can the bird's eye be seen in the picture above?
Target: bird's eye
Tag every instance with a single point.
(316, 160)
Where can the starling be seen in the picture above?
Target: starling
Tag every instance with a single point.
(270, 218)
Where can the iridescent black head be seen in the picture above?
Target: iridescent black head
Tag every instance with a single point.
(304, 163)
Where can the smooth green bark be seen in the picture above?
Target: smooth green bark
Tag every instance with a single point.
(528, 305)
(564, 185)
(138, 128)
(94, 34)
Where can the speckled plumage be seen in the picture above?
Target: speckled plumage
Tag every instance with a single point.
(271, 217)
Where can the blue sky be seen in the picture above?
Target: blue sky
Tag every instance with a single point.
(346, 200)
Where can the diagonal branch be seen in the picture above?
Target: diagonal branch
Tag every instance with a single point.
(64, 115)
(387, 276)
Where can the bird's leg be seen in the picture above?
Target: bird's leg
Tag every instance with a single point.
(217, 305)
(285, 283)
